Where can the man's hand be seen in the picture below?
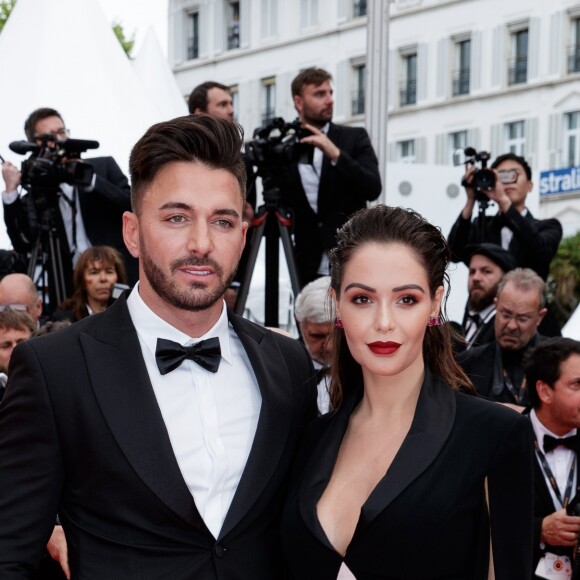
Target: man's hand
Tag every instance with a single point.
(11, 175)
(58, 550)
(320, 140)
(560, 529)
(499, 195)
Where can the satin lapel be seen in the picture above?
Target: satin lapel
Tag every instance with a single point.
(124, 393)
(273, 423)
(429, 431)
(326, 162)
(318, 469)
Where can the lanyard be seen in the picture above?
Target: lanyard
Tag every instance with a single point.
(517, 394)
(550, 477)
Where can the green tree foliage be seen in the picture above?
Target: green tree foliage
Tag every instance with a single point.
(564, 279)
(127, 43)
(5, 10)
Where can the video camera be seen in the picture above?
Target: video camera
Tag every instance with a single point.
(482, 179)
(53, 162)
(278, 145)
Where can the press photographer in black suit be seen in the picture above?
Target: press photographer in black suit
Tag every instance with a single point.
(87, 216)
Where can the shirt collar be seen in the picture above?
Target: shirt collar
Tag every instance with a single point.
(150, 327)
(540, 430)
(484, 313)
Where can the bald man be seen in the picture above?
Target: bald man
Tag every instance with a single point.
(20, 293)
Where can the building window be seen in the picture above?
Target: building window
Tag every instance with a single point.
(359, 8)
(518, 66)
(192, 20)
(461, 75)
(457, 143)
(406, 151)
(574, 49)
(409, 80)
(358, 89)
(235, 93)
(233, 27)
(308, 13)
(268, 111)
(572, 138)
(515, 139)
(269, 18)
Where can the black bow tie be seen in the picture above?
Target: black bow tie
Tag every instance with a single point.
(550, 443)
(475, 318)
(206, 353)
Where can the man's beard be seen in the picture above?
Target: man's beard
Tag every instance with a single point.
(479, 302)
(193, 299)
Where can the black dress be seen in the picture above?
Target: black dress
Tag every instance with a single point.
(427, 517)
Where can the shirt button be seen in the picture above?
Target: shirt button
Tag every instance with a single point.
(219, 550)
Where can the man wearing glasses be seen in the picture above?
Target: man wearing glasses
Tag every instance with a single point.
(532, 242)
(89, 215)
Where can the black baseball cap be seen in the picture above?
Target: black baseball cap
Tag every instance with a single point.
(494, 252)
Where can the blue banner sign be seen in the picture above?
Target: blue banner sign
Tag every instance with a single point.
(556, 181)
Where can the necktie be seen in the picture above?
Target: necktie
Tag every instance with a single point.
(206, 353)
(550, 443)
(476, 318)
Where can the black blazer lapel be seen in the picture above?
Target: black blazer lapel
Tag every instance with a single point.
(125, 395)
(430, 429)
(274, 422)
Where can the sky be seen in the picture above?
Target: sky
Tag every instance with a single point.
(137, 16)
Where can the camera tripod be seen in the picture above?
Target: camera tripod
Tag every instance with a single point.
(273, 223)
(47, 251)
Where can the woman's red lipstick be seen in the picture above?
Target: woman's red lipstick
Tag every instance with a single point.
(384, 348)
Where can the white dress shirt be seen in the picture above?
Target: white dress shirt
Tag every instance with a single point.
(507, 234)
(211, 418)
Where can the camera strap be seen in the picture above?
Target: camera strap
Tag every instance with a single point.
(552, 480)
(72, 203)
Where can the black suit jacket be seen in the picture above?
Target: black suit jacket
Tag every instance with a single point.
(81, 433)
(485, 333)
(534, 243)
(344, 188)
(427, 517)
(101, 209)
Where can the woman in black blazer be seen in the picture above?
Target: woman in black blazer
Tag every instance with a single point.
(393, 483)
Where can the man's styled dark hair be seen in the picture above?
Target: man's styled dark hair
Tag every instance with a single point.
(198, 97)
(216, 143)
(517, 159)
(36, 116)
(544, 362)
(309, 76)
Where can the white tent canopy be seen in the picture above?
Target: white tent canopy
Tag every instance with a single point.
(153, 70)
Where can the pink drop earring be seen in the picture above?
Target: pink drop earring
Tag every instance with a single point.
(434, 321)
(338, 322)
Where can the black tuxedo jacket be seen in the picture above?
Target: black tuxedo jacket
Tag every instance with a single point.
(81, 434)
(427, 517)
(533, 245)
(344, 188)
(101, 209)
(544, 506)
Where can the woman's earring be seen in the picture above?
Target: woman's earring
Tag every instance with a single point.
(434, 321)
(338, 322)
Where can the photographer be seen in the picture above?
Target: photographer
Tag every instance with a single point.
(532, 242)
(344, 175)
(86, 216)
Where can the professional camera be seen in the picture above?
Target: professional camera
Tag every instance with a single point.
(54, 162)
(482, 179)
(278, 145)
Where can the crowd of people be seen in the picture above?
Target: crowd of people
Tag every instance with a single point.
(154, 433)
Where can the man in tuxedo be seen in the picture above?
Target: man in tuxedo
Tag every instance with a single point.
(87, 215)
(553, 374)
(162, 430)
(487, 264)
(496, 368)
(343, 176)
(532, 242)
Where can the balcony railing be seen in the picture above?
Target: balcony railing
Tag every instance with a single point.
(461, 80)
(518, 70)
(268, 115)
(574, 58)
(358, 103)
(408, 93)
(233, 35)
(359, 8)
(192, 48)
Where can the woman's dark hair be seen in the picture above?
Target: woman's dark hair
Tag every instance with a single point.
(388, 225)
(108, 256)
